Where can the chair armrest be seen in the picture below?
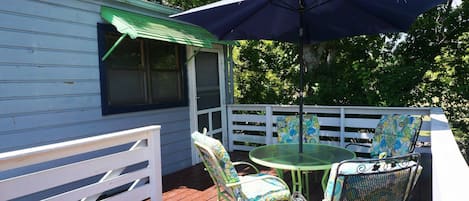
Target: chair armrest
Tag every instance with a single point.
(252, 179)
(359, 154)
(245, 163)
(355, 144)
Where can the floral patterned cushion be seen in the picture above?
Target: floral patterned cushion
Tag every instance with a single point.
(269, 189)
(394, 135)
(386, 186)
(224, 161)
(288, 129)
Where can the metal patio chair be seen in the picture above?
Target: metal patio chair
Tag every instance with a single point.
(395, 134)
(374, 179)
(226, 179)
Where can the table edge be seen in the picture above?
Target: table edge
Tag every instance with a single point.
(292, 167)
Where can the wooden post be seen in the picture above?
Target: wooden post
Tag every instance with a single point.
(268, 125)
(230, 128)
(155, 164)
(342, 127)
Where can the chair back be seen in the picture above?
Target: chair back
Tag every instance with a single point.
(217, 161)
(396, 135)
(374, 179)
(288, 129)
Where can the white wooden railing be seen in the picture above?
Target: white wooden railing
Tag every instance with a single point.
(250, 125)
(450, 171)
(145, 181)
(209, 112)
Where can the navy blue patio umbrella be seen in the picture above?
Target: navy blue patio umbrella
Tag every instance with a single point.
(305, 22)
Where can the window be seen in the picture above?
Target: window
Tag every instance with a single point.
(140, 74)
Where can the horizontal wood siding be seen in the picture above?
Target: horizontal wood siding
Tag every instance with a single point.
(49, 80)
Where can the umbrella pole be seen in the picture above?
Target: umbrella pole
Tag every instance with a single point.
(302, 70)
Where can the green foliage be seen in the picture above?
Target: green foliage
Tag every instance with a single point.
(445, 55)
(187, 4)
(261, 73)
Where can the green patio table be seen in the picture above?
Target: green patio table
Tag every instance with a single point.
(314, 157)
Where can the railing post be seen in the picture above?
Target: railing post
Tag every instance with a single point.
(155, 164)
(230, 128)
(268, 125)
(342, 127)
(210, 123)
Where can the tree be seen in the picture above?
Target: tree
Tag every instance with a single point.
(264, 72)
(438, 45)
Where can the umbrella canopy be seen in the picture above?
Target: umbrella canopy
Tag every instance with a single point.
(305, 21)
(323, 19)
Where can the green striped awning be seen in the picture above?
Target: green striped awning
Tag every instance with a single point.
(136, 25)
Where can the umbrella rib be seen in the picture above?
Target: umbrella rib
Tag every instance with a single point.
(317, 5)
(296, 9)
(283, 6)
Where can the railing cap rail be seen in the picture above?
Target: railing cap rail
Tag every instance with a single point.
(34, 155)
(335, 107)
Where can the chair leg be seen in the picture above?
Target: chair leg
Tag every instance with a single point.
(306, 174)
(293, 181)
(279, 173)
(222, 194)
(300, 182)
(226, 198)
(325, 177)
(219, 194)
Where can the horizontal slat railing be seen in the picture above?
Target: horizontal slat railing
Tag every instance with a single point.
(139, 193)
(211, 130)
(251, 125)
(86, 169)
(147, 154)
(98, 187)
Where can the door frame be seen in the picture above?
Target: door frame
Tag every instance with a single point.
(191, 53)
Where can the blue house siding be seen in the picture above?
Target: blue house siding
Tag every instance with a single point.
(49, 80)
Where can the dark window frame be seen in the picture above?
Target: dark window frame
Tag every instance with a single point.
(107, 109)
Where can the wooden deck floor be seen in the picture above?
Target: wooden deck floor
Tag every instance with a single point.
(194, 183)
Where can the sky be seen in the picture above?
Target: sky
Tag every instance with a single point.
(456, 2)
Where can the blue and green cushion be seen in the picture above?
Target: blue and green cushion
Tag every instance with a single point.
(269, 189)
(229, 172)
(394, 135)
(288, 129)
